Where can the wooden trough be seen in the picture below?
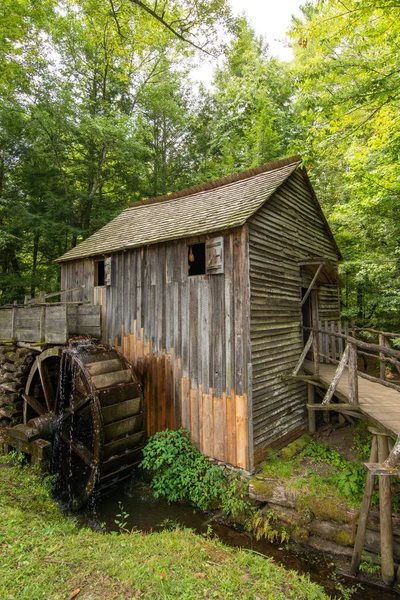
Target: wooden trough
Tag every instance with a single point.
(49, 323)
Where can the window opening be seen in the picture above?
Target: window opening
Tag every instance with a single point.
(99, 273)
(197, 259)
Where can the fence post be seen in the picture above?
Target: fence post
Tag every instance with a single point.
(353, 376)
(382, 364)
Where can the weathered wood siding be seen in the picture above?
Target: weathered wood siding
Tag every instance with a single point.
(187, 336)
(287, 229)
(75, 274)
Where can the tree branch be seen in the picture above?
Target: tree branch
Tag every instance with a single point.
(163, 22)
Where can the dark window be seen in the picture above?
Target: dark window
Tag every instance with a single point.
(197, 259)
(99, 272)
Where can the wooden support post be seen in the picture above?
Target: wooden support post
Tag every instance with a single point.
(385, 514)
(303, 354)
(353, 376)
(366, 503)
(337, 376)
(311, 413)
(315, 345)
(382, 364)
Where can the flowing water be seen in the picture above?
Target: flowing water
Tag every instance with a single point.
(148, 514)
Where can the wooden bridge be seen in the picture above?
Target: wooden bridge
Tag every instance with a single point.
(330, 362)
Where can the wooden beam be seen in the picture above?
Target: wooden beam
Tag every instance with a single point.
(311, 413)
(353, 376)
(336, 378)
(385, 516)
(303, 354)
(365, 506)
(310, 287)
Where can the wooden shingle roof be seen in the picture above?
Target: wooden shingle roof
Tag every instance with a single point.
(214, 206)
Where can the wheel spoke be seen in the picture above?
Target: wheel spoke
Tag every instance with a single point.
(47, 386)
(84, 453)
(80, 403)
(35, 404)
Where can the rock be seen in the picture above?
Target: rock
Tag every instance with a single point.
(9, 357)
(12, 386)
(286, 515)
(24, 352)
(8, 367)
(273, 492)
(6, 413)
(6, 377)
(337, 532)
(327, 546)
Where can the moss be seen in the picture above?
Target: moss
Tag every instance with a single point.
(305, 516)
(344, 538)
(301, 534)
(262, 488)
(326, 508)
(295, 447)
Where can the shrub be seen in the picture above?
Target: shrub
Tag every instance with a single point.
(181, 473)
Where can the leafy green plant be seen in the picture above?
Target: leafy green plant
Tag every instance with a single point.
(362, 440)
(180, 472)
(263, 526)
(121, 518)
(367, 565)
(234, 500)
(349, 477)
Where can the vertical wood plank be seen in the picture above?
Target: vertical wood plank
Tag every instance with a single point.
(208, 424)
(194, 417)
(231, 427)
(242, 449)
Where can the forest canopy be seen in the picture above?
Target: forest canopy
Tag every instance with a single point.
(98, 109)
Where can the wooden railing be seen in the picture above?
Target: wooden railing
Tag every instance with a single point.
(333, 342)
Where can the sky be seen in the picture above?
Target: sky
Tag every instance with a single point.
(271, 19)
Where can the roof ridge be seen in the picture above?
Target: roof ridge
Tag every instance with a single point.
(216, 183)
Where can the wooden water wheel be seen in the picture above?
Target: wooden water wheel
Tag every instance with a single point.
(85, 400)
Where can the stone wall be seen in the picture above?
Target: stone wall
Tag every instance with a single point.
(15, 364)
(322, 523)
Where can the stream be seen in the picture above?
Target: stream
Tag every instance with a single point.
(147, 514)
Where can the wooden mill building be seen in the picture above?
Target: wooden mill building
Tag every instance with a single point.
(202, 292)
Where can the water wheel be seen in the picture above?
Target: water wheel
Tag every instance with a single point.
(85, 400)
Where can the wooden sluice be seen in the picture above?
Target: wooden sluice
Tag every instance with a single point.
(354, 393)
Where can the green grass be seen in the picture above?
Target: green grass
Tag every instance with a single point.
(45, 556)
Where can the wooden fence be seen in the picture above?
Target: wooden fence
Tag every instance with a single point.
(333, 342)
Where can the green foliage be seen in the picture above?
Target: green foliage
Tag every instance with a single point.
(265, 526)
(368, 565)
(350, 477)
(121, 518)
(346, 64)
(234, 499)
(362, 439)
(181, 473)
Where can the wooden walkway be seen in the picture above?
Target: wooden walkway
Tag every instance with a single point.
(378, 402)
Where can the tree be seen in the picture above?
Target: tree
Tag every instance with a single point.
(347, 68)
(248, 117)
(76, 80)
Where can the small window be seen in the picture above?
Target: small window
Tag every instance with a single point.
(99, 272)
(102, 271)
(197, 259)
